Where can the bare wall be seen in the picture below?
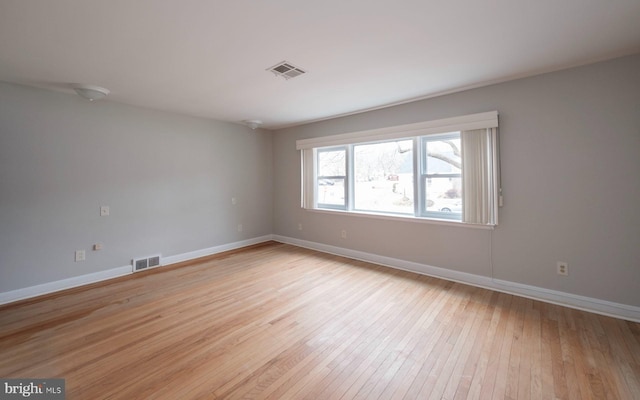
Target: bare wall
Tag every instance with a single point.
(167, 178)
(570, 144)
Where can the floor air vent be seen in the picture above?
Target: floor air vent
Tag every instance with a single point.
(146, 263)
(286, 70)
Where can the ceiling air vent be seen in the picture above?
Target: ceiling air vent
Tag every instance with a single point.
(286, 70)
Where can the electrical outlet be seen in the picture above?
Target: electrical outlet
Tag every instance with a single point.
(104, 211)
(563, 268)
(239, 227)
(343, 234)
(80, 255)
(234, 201)
(299, 227)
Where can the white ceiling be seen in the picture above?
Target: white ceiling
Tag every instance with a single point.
(209, 58)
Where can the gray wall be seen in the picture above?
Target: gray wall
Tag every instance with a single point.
(570, 144)
(570, 156)
(168, 179)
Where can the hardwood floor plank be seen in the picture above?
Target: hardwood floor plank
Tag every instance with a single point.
(513, 371)
(491, 324)
(392, 343)
(448, 379)
(463, 384)
(437, 344)
(555, 383)
(370, 350)
(500, 385)
(426, 334)
(279, 322)
(388, 353)
(488, 385)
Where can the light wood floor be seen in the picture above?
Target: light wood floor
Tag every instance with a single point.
(280, 322)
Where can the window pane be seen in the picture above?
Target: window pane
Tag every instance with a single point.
(332, 163)
(332, 171)
(442, 168)
(443, 155)
(383, 175)
(444, 194)
(331, 191)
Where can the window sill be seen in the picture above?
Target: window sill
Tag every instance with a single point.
(408, 218)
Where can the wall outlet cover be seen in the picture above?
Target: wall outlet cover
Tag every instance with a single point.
(563, 268)
(80, 255)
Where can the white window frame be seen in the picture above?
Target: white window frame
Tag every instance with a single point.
(423, 175)
(345, 178)
(483, 121)
(351, 155)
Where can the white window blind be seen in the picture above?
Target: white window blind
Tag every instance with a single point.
(479, 176)
(308, 179)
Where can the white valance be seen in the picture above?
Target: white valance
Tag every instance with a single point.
(484, 120)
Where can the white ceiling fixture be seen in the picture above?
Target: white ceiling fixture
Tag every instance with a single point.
(286, 70)
(91, 92)
(252, 123)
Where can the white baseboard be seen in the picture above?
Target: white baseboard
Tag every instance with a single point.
(50, 287)
(214, 250)
(584, 303)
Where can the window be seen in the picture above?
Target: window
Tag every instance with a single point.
(441, 176)
(383, 177)
(445, 169)
(331, 178)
